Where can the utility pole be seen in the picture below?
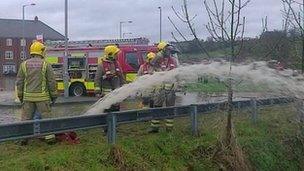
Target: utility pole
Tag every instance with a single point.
(160, 24)
(120, 29)
(302, 34)
(65, 59)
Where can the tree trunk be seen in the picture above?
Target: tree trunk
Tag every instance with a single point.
(229, 117)
(302, 65)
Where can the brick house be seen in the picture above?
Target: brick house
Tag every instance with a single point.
(11, 43)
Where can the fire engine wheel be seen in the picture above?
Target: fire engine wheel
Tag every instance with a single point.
(77, 90)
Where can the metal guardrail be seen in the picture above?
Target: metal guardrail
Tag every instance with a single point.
(36, 128)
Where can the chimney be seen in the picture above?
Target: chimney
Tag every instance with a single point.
(36, 18)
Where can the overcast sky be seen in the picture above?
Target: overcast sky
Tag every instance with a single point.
(99, 19)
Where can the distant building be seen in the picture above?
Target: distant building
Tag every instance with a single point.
(11, 43)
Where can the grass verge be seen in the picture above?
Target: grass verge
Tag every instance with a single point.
(271, 144)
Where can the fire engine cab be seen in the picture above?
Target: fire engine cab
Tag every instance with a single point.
(83, 61)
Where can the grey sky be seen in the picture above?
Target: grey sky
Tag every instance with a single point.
(99, 19)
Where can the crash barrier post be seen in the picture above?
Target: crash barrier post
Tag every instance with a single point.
(300, 110)
(194, 120)
(111, 131)
(254, 113)
(238, 107)
(37, 117)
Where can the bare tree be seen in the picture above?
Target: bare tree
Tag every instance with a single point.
(184, 16)
(177, 41)
(294, 14)
(226, 25)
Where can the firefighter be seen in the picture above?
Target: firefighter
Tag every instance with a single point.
(109, 73)
(147, 67)
(144, 69)
(163, 95)
(36, 85)
(163, 60)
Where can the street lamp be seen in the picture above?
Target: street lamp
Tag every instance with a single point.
(120, 27)
(160, 24)
(124, 34)
(65, 59)
(23, 26)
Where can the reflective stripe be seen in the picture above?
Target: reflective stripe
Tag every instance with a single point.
(155, 121)
(169, 86)
(36, 97)
(43, 87)
(169, 120)
(23, 66)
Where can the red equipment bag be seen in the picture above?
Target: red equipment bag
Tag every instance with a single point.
(69, 137)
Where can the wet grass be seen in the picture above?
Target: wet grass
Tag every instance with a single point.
(211, 85)
(274, 142)
(270, 144)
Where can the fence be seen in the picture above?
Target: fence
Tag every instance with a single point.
(35, 128)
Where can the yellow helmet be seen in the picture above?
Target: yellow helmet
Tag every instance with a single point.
(111, 50)
(162, 45)
(37, 48)
(150, 56)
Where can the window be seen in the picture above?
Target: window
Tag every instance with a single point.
(22, 42)
(95, 54)
(9, 69)
(144, 55)
(132, 60)
(9, 42)
(22, 55)
(9, 55)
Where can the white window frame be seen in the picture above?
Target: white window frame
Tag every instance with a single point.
(9, 42)
(9, 54)
(9, 67)
(22, 42)
(22, 55)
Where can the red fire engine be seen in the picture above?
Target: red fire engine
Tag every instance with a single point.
(84, 59)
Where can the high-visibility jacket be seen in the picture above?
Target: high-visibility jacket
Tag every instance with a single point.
(108, 74)
(145, 68)
(111, 68)
(164, 63)
(168, 63)
(36, 81)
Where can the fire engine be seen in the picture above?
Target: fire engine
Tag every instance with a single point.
(84, 57)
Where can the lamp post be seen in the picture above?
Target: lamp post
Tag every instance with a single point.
(65, 59)
(124, 34)
(23, 26)
(160, 24)
(120, 27)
